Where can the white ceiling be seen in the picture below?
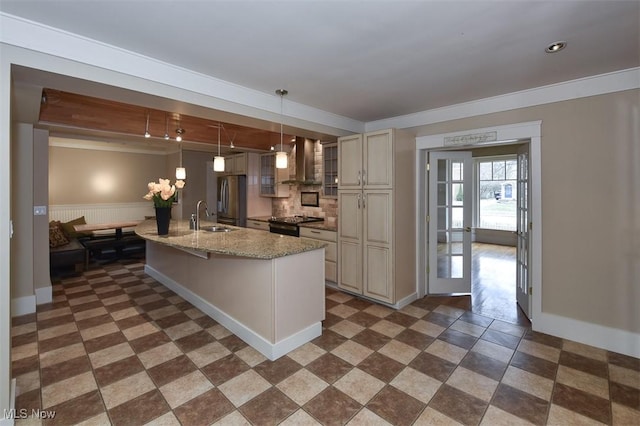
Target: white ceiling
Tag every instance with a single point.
(365, 60)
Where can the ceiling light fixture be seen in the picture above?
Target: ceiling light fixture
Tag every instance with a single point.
(556, 46)
(281, 156)
(166, 126)
(180, 131)
(146, 128)
(218, 161)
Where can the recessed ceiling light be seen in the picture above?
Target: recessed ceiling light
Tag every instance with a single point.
(556, 46)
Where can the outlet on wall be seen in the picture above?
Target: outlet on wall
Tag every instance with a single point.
(39, 210)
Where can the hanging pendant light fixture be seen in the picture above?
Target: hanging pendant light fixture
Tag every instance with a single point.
(146, 128)
(181, 172)
(166, 127)
(281, 156)
(179, 131)
(218, 161)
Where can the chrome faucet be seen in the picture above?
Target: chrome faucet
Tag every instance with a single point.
(206, 211)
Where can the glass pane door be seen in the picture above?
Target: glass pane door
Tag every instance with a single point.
(450, 198)
(522, 247)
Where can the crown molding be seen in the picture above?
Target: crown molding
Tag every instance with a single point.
(574, 89)
(220, 94)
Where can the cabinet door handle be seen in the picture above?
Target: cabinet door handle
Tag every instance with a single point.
(364, 177)
(363, 202)
(315, 232)
(358, 200)
(359, 174)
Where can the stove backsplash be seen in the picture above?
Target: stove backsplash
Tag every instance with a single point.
(290, 206)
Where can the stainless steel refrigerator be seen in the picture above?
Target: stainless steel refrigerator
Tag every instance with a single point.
(232, 200)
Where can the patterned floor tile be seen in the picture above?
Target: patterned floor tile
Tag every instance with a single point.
(332, 406)
(395, 406)
(117, 347)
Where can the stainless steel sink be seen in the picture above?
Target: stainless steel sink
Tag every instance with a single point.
(216, 228)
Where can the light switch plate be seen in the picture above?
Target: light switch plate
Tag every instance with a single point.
(39, 210)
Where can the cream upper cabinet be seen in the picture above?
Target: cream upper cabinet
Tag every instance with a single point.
(377, 172)
(376, 248)
(350, 162)
(271, 178)
(366, 161)
(236, 164)
(240, 164)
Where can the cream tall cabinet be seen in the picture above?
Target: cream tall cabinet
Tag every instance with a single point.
(376, 225)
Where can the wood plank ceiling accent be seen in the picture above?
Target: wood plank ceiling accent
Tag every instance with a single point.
(75, 111)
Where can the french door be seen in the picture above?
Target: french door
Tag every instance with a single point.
(450, 215)
(523, 254)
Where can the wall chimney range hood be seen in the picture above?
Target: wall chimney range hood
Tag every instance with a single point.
(305, 162)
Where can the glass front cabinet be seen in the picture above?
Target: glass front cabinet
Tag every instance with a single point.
(271, 178)
(330, 170)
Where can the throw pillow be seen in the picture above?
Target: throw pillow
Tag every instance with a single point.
(56, 236)
(70, 232)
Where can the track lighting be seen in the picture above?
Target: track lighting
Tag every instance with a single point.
(179, 132)
(166, 127)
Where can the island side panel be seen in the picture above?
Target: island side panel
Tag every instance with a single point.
(299, 293)
(240, 287)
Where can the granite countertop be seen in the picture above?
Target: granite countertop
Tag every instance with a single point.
(316, 225)
(320, 225)
(242, 242)
(260, 218)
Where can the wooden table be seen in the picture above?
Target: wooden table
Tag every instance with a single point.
(117, 242)
(117, 226)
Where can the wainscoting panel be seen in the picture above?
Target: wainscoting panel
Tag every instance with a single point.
(101, 213)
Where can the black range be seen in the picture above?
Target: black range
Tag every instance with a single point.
(288, 225)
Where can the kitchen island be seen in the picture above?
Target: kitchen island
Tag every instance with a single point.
(267, 289)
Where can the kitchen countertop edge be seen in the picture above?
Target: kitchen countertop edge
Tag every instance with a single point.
(316, 225)
(242, 242)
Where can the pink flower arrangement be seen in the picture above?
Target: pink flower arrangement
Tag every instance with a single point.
(162, 193)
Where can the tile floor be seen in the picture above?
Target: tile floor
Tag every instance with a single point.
(117, 347)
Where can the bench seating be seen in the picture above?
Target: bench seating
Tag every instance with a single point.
(72, 254)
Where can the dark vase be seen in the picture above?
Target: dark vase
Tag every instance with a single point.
(163, 216)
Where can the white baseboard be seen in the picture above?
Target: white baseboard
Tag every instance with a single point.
(398, 305)
(270, 350)
(23, 305)
(612, 339)
(27, 304)
(406, 301)
(10, 421)
(44, 295)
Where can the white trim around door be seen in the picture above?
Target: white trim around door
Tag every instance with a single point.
(499, 135)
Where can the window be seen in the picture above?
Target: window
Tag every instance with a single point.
(497, 193)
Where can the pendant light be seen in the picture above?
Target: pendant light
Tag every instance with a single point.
(181, 172)
(146, 128)
(218, 161)
(281, 156)
(179, 131)
(166, 127)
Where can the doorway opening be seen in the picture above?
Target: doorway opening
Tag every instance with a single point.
(461, 252)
